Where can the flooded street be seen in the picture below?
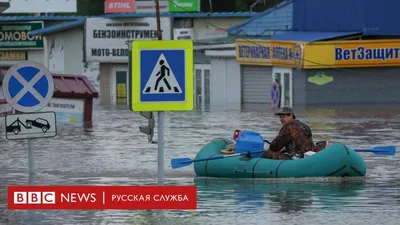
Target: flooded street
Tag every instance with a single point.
(115, 152)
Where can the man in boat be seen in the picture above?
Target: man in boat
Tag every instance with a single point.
(294, 139)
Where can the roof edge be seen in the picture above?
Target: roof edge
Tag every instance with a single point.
(313, 36)
(5, 18)
(267, 11)
(80, 21)
(182, 15)
(58, 27)
(95, 93)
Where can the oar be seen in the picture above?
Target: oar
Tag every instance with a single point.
(182, 162)
(380, 150)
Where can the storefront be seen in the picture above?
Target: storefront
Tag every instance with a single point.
(98, 48)
(105, 43)
(351, 72)
(224, 89)
(263, 62)
(322, 72)
(17, 45)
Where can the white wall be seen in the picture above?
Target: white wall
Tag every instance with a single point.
(65, 53)
(37, 55)
(203, 29)
(42, 6)
(225, 79)
(65, 56)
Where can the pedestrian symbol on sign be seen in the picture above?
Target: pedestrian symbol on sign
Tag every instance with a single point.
(162, 79)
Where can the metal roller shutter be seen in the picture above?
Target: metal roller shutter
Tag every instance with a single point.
(256, 84)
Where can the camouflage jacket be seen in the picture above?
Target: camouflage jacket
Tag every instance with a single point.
(296, 137)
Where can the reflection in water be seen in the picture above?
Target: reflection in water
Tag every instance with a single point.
(112, 151)
(283, 195)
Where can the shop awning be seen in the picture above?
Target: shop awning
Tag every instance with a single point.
(311, 36)
(73, 86)
(59, 27)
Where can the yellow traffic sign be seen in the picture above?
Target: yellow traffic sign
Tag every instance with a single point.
(162, 75)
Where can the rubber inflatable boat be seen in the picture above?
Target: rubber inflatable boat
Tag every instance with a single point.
(337, 160)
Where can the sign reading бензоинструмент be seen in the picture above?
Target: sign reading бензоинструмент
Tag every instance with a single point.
(106, 38)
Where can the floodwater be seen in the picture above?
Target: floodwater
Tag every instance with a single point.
(114, 152)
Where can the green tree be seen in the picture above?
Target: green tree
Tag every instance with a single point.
(90, 7)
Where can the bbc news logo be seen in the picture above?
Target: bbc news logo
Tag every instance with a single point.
(34, 197)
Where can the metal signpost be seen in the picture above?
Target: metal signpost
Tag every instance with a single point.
(28, 87)
(161, 80)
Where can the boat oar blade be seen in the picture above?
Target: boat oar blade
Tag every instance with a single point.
(180, 162)
(380, 150)
(385, 150)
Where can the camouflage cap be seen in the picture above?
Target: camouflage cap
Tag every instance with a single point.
(285, 110)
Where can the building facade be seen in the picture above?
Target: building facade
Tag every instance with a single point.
(98, 47)
(324, 59)
(323, 72)
(246, 82)
(17, 44)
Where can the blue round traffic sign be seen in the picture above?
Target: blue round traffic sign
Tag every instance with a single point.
(275, 94)
(28, 86)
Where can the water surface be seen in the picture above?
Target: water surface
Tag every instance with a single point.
(114, 152)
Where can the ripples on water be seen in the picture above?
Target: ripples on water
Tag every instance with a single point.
(114, 152)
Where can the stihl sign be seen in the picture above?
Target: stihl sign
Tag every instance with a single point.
(120, 6)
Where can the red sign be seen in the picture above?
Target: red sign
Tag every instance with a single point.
(120, 6)
(102, 197)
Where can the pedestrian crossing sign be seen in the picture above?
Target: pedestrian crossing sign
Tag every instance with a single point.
(162, 75)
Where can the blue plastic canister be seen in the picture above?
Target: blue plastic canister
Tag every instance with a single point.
(250, 141)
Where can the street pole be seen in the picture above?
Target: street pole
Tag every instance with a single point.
(31, 161)
(160, 114)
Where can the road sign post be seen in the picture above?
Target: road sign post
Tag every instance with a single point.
(160, 117)
(162, 80)
(28, 86)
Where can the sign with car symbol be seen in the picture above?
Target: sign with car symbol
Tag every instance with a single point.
(31, 125)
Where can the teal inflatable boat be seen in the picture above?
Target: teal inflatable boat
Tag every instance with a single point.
(337, 160)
